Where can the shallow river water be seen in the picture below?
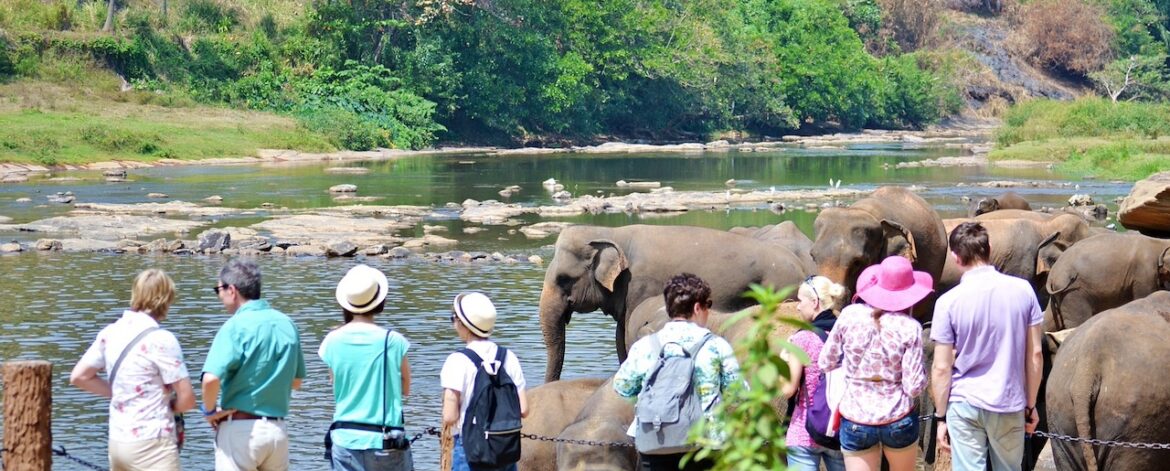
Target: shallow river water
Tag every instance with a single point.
(53, 304)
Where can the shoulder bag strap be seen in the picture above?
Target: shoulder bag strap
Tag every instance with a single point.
(125, 351)
(385, 370)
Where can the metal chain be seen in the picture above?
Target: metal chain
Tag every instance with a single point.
(1099, 442)
(542, 438)
(427, 431)
(59, 450)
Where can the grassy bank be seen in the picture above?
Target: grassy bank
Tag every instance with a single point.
(50, 123)
(1089, 136)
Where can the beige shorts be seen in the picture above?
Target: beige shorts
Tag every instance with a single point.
(144, 455)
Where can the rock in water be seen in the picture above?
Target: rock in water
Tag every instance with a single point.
(12, 247)
(343, 248)
(214, 239)
(343, 188)
(1147, 207)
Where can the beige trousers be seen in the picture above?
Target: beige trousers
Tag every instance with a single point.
(160, 454)
(251, 445)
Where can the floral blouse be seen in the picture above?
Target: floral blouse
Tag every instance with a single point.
(883, 365)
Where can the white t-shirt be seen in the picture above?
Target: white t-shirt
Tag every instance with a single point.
(459, 373)
(140, 407)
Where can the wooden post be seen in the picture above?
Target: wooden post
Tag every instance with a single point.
(446, 446)
(28, 403)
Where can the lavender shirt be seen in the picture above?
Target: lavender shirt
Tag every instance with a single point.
(986, 317)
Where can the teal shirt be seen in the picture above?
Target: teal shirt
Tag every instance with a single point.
(354, 354)
(256, 355)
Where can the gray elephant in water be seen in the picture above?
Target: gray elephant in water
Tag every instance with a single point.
(1007, 200)
(891, 221)
(1103, 272)
(605, 418)
(552, 407)
(614, 269)
(1108, 382)
(787, 235)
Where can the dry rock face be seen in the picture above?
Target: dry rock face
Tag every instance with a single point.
(109, 226)
(319, 228)
(1147, 207)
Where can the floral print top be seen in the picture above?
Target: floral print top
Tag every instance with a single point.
(883, 364)
(715, 365)
(140, 407)
(797, 434)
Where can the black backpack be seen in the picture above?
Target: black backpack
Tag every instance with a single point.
(491, 427)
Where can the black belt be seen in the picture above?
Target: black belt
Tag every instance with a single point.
(341, 424)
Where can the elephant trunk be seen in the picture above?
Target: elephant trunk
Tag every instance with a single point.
(554, 316)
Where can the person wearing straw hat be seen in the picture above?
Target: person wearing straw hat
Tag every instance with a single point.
(473, 316)
(256, 361)
(988, 359)
(145, 364)
(880, 346)
(370, 375)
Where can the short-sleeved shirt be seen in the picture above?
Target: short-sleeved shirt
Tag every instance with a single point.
(883, 365)
(797, 434)
(716, 368)
(458, 373)
(986, 317)
(367, 390)
(140, 407)
(256, 355)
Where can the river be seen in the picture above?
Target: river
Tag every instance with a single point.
(53, 304)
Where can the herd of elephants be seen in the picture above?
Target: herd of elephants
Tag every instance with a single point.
(1107, 313)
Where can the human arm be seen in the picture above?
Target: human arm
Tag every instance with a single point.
(184, 396)
(210, 385)
(86, 377)
(913, 367)
(523, 403)
(451, 407)
(1034, 371)
(940, 388)
(627, 382)
(299, 377)
(405, 376)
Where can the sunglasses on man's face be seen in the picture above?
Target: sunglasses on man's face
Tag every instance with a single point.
(219, 288)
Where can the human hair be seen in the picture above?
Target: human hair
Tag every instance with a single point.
(825, 291)
(244, 275)
(348, 316)
(969, 242)
(682, 292)
(152, 293)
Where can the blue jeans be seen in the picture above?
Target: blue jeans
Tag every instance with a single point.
(345, 459)
(459, 460)
(976, 433)
(895, 435)
(805, 458)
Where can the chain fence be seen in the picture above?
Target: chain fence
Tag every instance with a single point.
(1100, 442)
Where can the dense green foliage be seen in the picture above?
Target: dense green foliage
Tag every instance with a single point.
(753, 426)
(1091, 136)
(403, 73)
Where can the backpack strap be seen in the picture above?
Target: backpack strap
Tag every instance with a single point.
(474, 357)
(694, 350)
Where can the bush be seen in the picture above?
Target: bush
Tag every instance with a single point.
(343, 129)
(209, 16)
(911, 23)
(1066, 36)
(120, 140)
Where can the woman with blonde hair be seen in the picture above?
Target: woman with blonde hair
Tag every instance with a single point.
(144, 366)
(879, 345)
(818, 297)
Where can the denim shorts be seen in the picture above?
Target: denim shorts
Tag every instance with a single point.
(895, 435)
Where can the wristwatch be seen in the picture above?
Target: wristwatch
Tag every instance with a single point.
(207, 413)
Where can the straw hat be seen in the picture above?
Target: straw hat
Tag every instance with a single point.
(362, 289)
(893, 285)
(476, 312)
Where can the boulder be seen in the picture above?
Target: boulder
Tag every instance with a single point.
(343, 188)
(541, 230)
(115, 172)
(214, 239)
(535, 259)
(5, 219)
(1147, 207)
(49, 244)
(24, 200)
(157, 195)
(62, 198)
(214, 199)
(11, 247)
(305, 251)
(1080, 200)
(399, 252)
(374, 250)
(340, 248)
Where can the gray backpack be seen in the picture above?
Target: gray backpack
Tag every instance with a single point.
(668, 405)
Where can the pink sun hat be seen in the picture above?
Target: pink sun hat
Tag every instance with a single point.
(893, 285)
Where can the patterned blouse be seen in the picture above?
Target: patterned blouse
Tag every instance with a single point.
(883, 365)
(715, 365)
(811, 344)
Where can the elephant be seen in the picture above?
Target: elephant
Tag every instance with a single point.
(553, 406)
(650, 316)
(1015, 214)
(1007, 200)
(1103, 272)
(1025, 248)
(787, 235)
(605, 418)
(614, 269)
(1107, 383)
(891, 221)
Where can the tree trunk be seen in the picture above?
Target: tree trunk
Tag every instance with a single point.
(28, 404)
(109, 26)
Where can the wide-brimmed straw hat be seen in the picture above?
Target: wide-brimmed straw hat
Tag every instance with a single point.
(362, 289)
(893, 285)
(476, 312)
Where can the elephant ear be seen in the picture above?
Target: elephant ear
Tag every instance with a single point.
(609, 261)
(899, 240)
(1042, 265)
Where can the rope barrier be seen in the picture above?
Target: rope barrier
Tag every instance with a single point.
(60, 450)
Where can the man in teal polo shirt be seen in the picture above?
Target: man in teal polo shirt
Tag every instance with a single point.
(256, 360)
